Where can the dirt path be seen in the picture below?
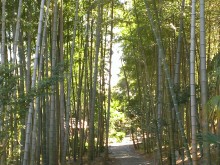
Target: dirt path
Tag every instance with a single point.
(124, 154)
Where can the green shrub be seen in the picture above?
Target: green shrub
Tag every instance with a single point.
(118, 136)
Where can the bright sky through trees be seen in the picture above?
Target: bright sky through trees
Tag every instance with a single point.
(116, 63)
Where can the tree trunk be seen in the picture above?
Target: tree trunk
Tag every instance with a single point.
(95, 73)
(109, 83)
(192, 84)
(62, 95)
(17, 31)
(204, 82)
(30, 112)
(52, 126)
(2, 63)
(36, 118)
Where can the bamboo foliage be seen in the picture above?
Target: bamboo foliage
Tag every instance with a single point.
(69, 88)
(159, 42)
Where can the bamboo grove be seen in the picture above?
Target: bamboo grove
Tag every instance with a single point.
(169, 86)
(54, 61)
(56, 98)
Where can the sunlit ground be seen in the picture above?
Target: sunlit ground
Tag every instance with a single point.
(126, 141)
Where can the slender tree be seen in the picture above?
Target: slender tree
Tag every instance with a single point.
(95, 73)
(17, 31)
(2, 52)
(3, 34)
(109, 82)
(2, 62)
(62, 95)
(52, 126)
(30, 112)
(179, 44)
(204, 82)
(192, 84)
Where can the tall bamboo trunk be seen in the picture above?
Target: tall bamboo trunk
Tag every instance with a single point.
(82, 114)
(27, 87)
(218, 122)
(95, 75)
(204, 83)
(69, 85)
(192, 85)
(109, 83)
(36, 132)
(17, 31)
(78, 109)
(30, 112)
(2, 63)
(62, 95)
(159, 106)
(52, 127)
(3, 36)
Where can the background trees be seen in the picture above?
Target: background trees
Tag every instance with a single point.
(55, 78)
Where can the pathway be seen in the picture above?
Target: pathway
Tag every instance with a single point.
(124, 154)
